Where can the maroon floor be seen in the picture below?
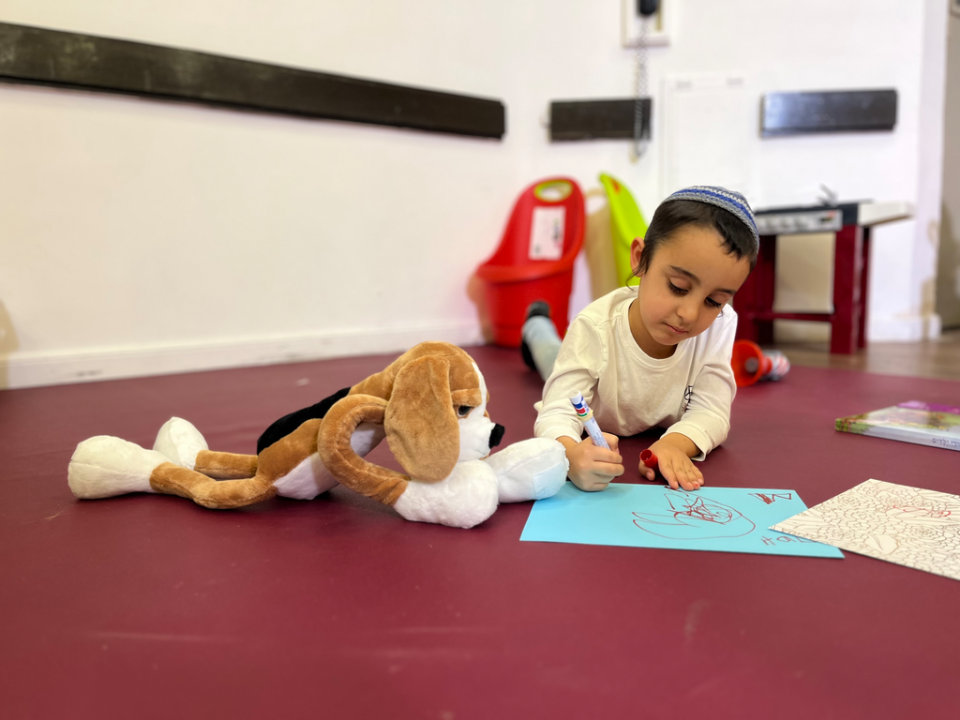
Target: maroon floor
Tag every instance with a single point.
(152, 607)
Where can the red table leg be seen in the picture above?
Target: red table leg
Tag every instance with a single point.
(766, 286)
(744, 302)
(864, 297)
(756, 295)
(848, 275)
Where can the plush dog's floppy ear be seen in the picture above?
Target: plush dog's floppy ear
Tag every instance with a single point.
(338, 456)
(381, 384)
(421, 424)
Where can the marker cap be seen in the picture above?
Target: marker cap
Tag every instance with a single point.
(649, 459)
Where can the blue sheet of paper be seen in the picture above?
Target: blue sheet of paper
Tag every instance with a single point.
(718, 519)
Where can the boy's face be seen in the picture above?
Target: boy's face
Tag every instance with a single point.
(689, 280)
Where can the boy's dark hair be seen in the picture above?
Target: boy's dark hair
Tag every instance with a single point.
(738, 239)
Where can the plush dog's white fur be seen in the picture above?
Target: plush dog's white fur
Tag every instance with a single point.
(106, 466)
(527, 470)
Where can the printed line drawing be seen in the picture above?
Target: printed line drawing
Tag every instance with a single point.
(772, 497)
(901, 524)
(930, 512)
(691, 517)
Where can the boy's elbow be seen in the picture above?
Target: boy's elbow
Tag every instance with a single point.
(720, 432)
(715, 434)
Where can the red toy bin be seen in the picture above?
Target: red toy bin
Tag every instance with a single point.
(534, 260)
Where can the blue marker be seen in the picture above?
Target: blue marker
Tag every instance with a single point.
(589, 424)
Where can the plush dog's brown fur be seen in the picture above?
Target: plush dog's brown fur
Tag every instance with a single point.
(415, 398)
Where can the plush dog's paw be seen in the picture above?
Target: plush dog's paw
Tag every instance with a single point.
(530, 470)
(179, 441)
(105, 466)
(463, 500)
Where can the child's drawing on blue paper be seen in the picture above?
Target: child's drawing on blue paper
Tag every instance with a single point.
(720, 519)
(693, 517)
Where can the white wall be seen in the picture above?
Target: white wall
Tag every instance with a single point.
(905, 165)
(933, 87)
(139, 236)
(948, 269)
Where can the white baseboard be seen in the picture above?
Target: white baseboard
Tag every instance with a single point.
(910, 329)
(887, 329)
(36, 369)
(788, 331)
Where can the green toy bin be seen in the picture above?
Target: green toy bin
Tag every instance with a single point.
(626, 223)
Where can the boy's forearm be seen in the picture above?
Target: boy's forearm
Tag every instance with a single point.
(681, 442)
(554, 425)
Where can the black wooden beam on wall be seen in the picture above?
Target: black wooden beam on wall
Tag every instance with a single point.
(794, 113)
(72, 60)
(598, 119)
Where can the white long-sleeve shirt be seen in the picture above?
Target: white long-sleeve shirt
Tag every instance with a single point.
(689, 392)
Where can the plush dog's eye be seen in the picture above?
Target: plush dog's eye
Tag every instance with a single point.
(464, 410)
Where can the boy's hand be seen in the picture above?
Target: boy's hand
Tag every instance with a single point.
(673, 455)
(592, 467)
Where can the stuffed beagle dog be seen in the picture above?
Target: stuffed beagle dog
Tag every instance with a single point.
(430, 404)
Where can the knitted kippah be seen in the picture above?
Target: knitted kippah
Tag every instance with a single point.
(729, 200)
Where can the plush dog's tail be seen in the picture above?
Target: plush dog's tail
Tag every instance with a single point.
(339, 457)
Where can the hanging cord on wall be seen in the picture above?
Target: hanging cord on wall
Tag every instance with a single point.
(640, 91)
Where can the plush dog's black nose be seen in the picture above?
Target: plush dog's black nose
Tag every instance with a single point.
(496, 435)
